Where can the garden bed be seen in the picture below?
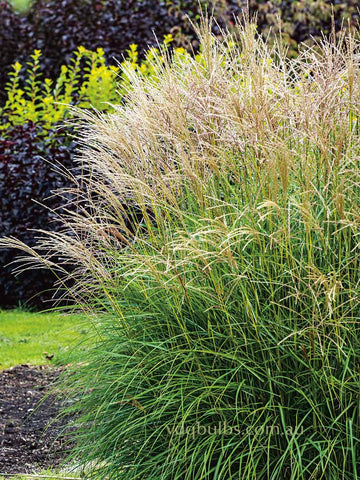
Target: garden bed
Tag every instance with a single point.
(29, 436)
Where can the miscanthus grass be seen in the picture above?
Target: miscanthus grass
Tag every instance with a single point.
(216, 238)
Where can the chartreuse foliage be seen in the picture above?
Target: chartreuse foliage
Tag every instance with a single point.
(20, 5)
(87, 81)
(219, 249)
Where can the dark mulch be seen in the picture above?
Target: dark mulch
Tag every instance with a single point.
(24, 446)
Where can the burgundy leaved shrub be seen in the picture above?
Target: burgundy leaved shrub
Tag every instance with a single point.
(61, 26)
(12, 28)
(30, 157)
(58, 27)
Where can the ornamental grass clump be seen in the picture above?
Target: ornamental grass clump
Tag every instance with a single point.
(217, 246)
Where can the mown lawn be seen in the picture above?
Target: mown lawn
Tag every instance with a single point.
(34, 338)
(20, 5)
(45, 475)
(41, 476)
(37, 338)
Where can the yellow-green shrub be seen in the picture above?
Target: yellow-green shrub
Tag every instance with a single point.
(87, 81)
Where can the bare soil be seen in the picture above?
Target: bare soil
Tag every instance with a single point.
(29, 436)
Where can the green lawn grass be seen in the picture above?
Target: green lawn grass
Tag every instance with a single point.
(43, 475)
(20, 5)
(30, 337)
(27, 338)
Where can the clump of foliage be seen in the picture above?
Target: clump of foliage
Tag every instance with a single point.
(229, 313)
(21, 5)
(31, 157)
(86, 82)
